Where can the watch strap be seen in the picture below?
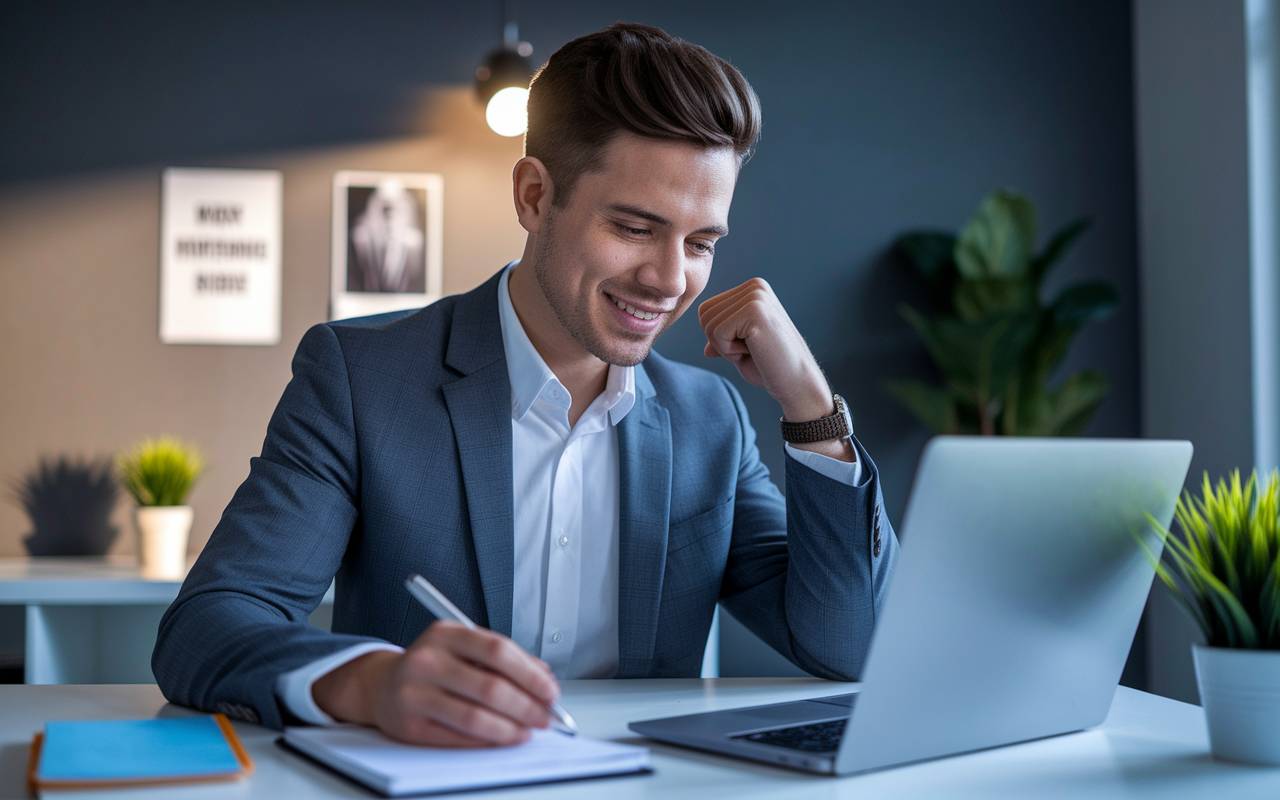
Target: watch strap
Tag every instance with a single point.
(835, 426)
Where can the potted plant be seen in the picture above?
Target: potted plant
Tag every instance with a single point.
(994, 339)
(69, 501)
(159, 474)
(1225, 572)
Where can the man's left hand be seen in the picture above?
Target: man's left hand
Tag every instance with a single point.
(748, 326)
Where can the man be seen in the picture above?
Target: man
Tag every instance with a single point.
(585, 500)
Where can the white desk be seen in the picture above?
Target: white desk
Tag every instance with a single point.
(1149, 747)
(91, 620)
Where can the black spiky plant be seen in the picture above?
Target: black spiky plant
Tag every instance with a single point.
(69, 502)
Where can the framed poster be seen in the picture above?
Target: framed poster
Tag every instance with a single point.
(386, 242)
(220, 256)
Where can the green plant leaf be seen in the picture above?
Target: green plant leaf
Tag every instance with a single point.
(975, 299)
(1225, 571)
(160, 472)
(1084, 303)
(1172, 580)
(931, 252)
(1057, 246)
(1070, 408)
(999, 240)
(933, 406)
(977, 358)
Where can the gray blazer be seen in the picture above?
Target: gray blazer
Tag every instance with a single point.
(390, 453)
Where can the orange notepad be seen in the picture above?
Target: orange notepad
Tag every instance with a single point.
(103, 754)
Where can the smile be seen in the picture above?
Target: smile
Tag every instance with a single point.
(633, 311)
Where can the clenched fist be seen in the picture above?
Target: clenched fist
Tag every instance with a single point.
(748, 326)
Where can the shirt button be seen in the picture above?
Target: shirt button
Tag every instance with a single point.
(564, 540)
(555, 393)
(556, 637)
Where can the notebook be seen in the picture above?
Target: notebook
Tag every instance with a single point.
(396, 769)
(101, 754)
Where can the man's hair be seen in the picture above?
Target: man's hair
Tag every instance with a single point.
(636, 79)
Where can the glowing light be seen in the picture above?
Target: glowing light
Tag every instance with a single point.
(506, 113)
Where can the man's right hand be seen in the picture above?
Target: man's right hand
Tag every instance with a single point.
(453, 687)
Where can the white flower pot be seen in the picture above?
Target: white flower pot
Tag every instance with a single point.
(162, 540)
(1240, 692)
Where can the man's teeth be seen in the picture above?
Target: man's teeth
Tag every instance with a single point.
(633, 311)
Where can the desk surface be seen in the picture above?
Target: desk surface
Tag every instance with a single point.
(86, 580)
(1149, 747)
(89, 580)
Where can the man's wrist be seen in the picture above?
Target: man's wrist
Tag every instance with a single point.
(812, 401)
(348, 693)
(804, 437)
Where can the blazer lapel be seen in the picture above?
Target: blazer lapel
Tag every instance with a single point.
(644, 477)
(479, 406)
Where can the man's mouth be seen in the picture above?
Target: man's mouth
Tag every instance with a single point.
(633, 311)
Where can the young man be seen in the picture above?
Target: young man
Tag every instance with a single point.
(584, 499)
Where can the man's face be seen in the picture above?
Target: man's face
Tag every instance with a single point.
(633, 247)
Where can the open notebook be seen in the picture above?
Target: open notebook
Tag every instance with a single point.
(395, 769)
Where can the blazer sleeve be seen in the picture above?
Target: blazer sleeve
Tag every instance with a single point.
(806, 574)
(241, 617)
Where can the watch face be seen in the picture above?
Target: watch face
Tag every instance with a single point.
(844, 411)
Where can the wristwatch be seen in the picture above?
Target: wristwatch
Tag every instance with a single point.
(837, 426)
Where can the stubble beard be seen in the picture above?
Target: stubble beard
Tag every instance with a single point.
(575, 317)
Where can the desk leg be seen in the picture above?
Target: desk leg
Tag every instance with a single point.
(60, 645)
(91, 644)
(711, 656)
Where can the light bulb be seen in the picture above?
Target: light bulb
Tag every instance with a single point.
(506, 112)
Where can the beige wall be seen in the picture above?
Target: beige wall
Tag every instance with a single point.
(82, 371)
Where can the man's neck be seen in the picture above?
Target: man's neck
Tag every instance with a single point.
(584, 375)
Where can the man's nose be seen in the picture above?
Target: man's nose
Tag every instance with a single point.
(664, 272)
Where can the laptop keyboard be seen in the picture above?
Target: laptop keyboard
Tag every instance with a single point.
(818, 737)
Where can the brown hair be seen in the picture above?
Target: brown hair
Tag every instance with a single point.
(638, 79)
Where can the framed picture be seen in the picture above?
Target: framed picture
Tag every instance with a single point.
(220, 256)
(386, 242)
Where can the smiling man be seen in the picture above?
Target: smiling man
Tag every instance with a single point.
(583, 498)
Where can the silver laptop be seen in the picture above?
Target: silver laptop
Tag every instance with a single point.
(1009, 616)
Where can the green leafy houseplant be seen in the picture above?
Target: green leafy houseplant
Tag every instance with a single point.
(995, 341)
(1226, 574)
(160, 472)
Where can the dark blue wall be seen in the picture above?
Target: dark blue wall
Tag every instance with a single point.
(879, 117)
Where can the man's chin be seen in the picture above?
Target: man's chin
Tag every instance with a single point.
(627, 354)
(627, 359)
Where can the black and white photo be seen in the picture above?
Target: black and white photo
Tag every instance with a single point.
(386, 242)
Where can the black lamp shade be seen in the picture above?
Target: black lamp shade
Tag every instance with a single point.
(503, 68)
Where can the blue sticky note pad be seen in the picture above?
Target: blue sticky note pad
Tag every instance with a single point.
(143, 748)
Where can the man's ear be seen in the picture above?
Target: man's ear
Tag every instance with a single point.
(531, 185)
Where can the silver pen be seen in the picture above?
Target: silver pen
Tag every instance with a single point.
(435, 602)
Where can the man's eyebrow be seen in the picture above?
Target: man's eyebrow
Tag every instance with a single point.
(657, 219)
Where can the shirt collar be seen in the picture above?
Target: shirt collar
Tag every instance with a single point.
(529, 374)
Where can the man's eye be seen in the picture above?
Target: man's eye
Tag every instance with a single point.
(633, 231)
(704, 248)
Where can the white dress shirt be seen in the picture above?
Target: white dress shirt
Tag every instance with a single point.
(565, 492)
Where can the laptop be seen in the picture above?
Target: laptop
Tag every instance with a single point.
(1015, 599)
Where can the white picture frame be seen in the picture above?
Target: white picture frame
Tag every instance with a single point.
(220, 243)
(387, 252)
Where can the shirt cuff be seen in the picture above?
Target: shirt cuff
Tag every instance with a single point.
(293, 688)
(847, 472)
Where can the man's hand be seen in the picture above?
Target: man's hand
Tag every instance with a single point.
(749, 327)
(453, 687)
